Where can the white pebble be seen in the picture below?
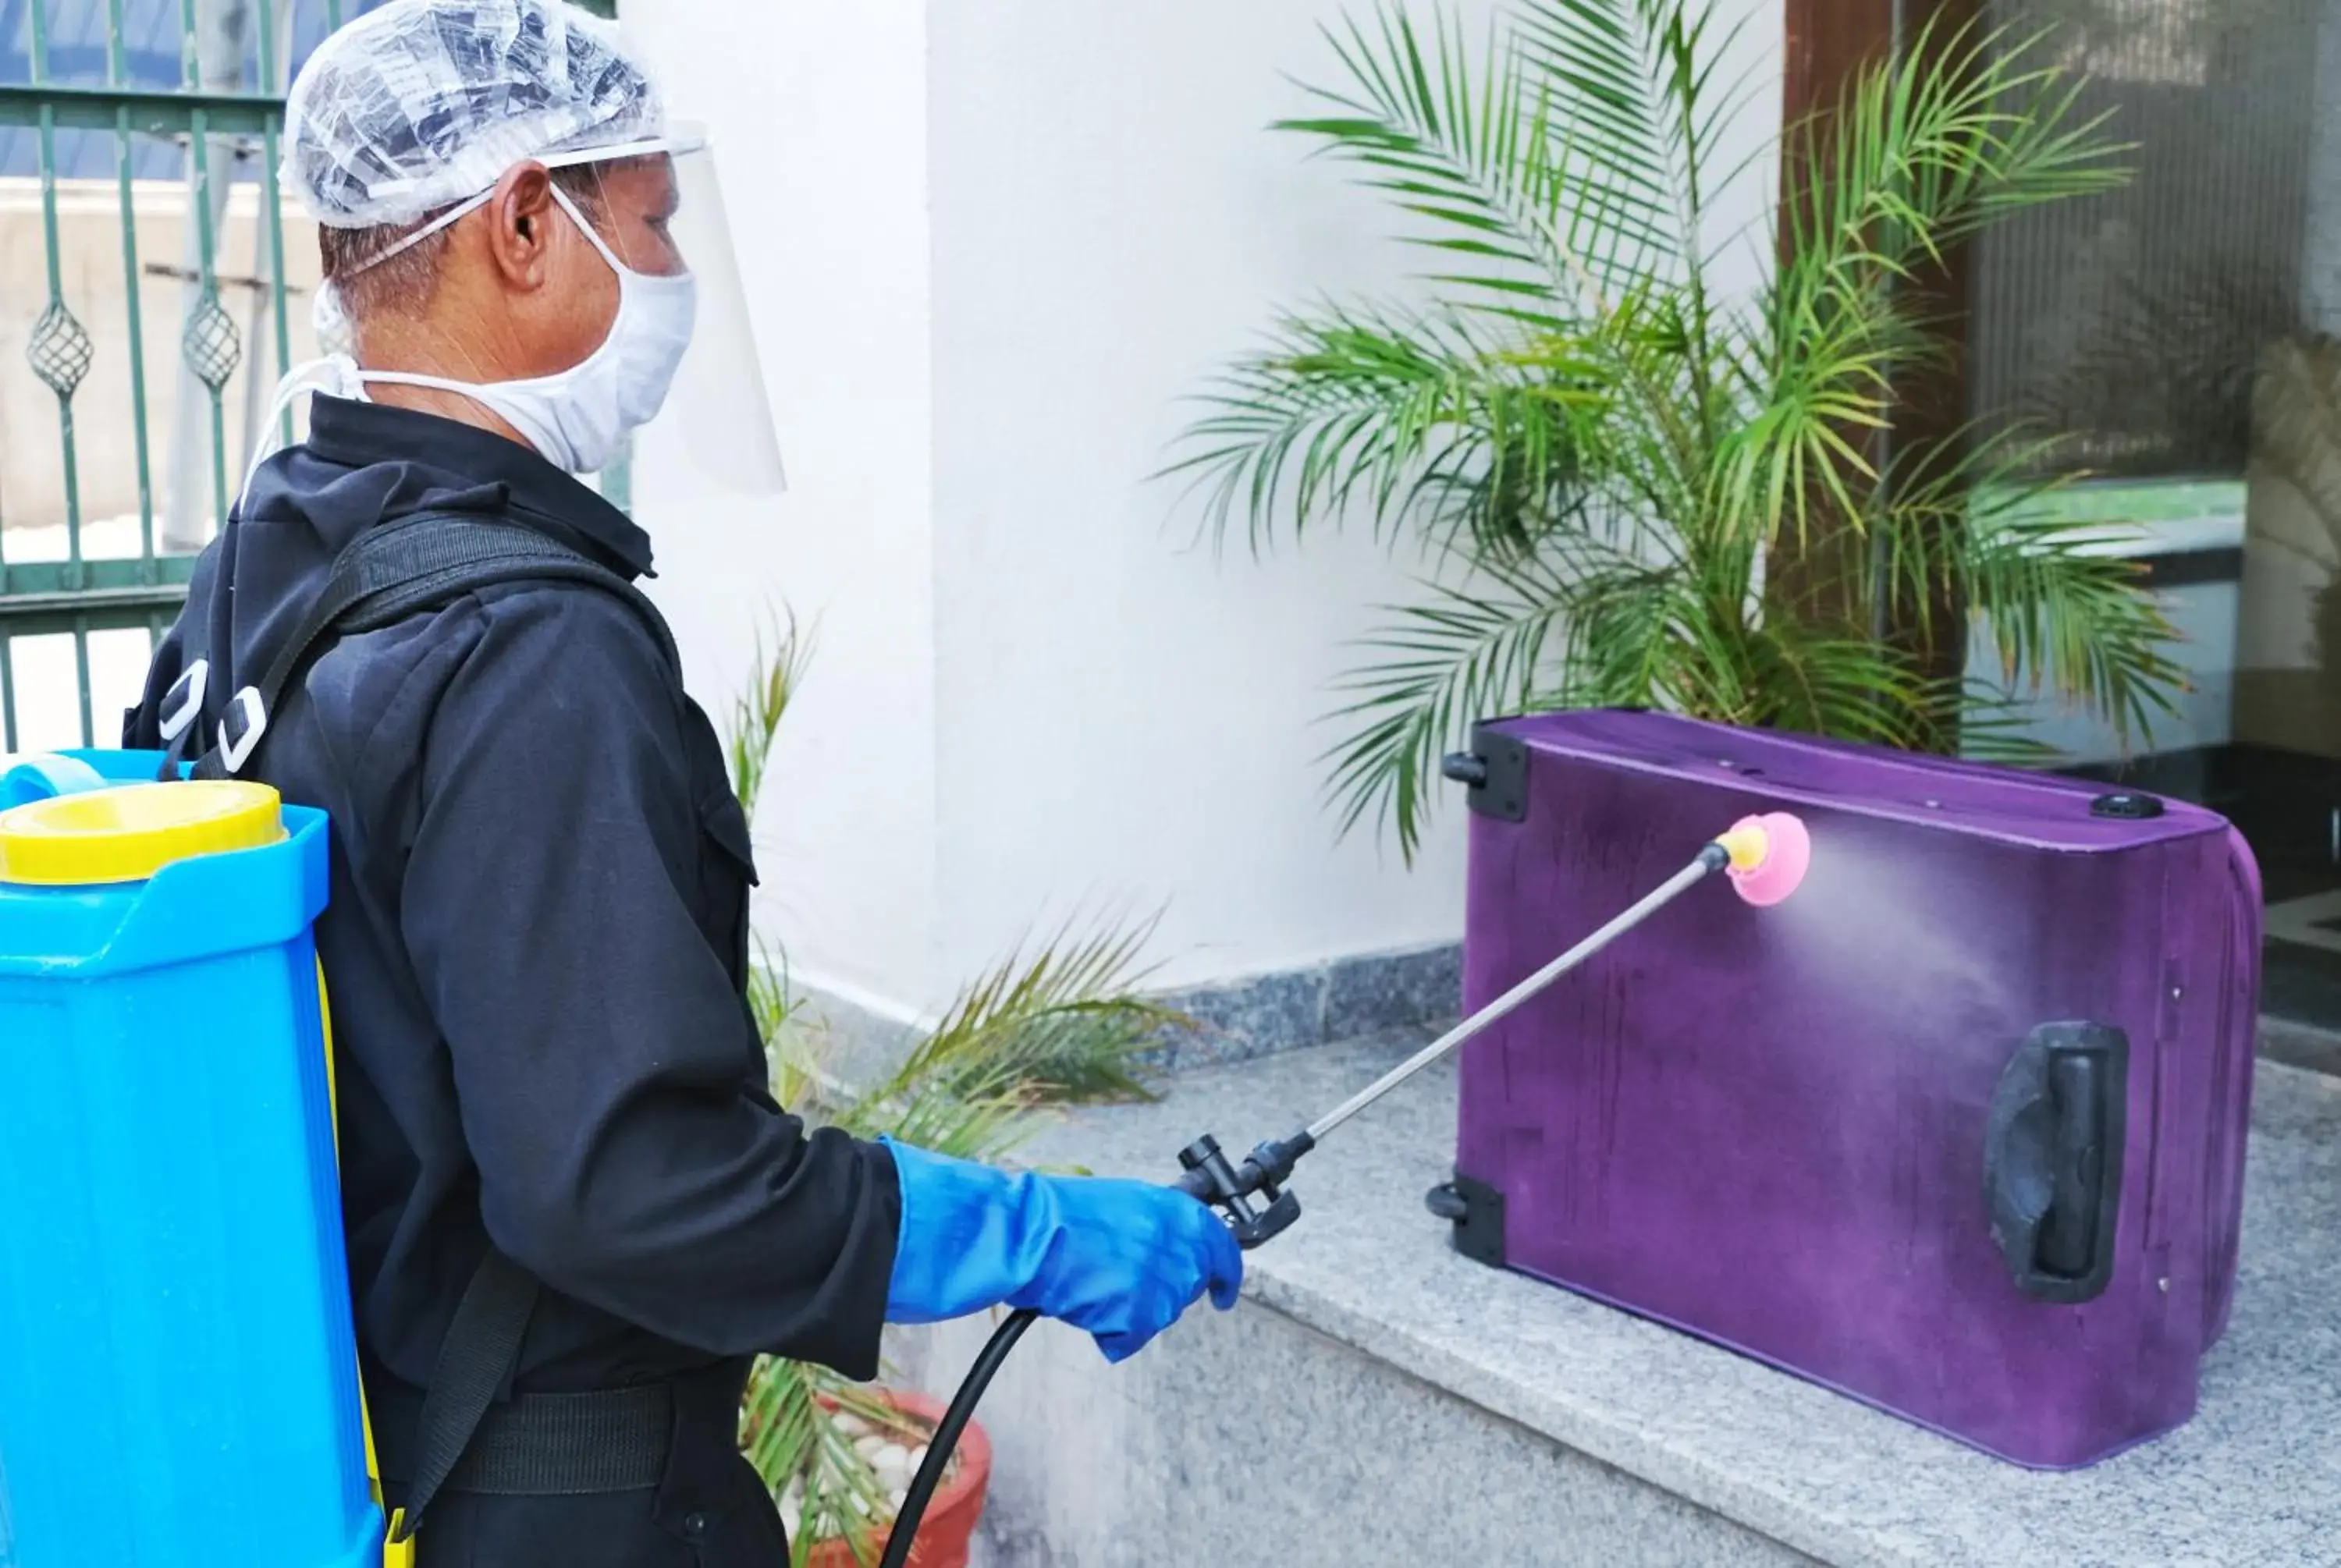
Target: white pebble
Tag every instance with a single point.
(917, 1457)
(901, 1494)
(852, 1425)
(868, 1448)
(893, 1456)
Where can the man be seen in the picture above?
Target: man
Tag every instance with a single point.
(537, 943)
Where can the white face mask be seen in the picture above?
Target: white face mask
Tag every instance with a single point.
(576, 418)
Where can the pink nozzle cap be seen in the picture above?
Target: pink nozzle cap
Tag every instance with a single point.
(1788, 855)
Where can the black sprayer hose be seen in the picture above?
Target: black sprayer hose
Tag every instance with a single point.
(945, 1438)
(1210, 1177)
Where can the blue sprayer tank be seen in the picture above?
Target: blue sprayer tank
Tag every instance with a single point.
(178, 1378)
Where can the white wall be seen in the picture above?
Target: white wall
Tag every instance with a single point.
(997, 244)
(1126, 715)
(818, 112)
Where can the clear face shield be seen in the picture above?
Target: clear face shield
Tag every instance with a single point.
(660, 213)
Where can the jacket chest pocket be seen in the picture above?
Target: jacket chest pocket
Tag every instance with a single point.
(727, 854)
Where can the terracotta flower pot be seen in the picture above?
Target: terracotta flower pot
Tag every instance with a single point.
(957, 1507)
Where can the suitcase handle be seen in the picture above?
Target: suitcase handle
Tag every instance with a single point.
(2053, 1159)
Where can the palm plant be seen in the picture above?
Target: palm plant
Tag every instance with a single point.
(1058, 1021)
(1599, 444)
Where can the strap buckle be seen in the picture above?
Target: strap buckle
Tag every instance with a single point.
(398, 1543)
(186, 700)
(241, 728)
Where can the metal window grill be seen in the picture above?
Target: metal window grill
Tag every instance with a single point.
(115, 114)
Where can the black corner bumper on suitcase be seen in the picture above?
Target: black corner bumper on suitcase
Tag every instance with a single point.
(1477, 1211)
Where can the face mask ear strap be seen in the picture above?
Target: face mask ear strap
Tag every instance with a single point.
(592, 234)
(459, 210)
(336, 374)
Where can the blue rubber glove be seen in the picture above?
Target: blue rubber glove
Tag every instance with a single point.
(1122, 1259)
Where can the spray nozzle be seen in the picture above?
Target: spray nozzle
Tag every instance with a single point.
(1746, 846)
(1766, 856)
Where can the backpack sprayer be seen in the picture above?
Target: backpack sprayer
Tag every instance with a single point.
(1765, 858)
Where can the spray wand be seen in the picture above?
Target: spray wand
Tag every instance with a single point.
(1766, 858)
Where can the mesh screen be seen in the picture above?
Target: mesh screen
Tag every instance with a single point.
(2131, 321)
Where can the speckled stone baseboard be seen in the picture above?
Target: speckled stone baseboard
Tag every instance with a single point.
(1260, 1014)
(1234, 1020)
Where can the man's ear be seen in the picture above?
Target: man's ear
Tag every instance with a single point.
(519, 225)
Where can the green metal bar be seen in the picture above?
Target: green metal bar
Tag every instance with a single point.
(8, 695)
(189, 31)
(57, 295)
(332, 14)
(116, 69)
(171, 573)
(200, 199)
(152, 112)
(38, 61)
(274, 202)
(81, 675)
(268, 49)
(61, 622)
(40, 72)
(276, 284)
(115, 603)
(91, 611)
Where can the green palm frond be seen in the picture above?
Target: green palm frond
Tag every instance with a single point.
(1460, 654)
(1964, 130)
(2060, 599)
(775, 676)
(1603, 451)
(1645, 100)
(1400, 417)
(1057, 1022)
(790, 1434)
(2062, 607)
(1060, 1021)
(1526, 185)
(1820, 681)
(1995, 724)
(798, 1064)
(1967, 128)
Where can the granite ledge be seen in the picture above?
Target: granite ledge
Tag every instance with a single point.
(2253, 1480)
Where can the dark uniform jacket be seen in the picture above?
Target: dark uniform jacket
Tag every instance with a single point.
(537, 949)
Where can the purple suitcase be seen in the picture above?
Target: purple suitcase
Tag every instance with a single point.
(1957, 1130)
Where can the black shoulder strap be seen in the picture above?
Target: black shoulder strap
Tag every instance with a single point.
(393, 570)
(389, 572)
(476, 1360)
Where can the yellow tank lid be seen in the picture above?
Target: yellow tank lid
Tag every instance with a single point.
(128, 834)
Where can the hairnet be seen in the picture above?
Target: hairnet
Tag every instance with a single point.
(422, 103)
